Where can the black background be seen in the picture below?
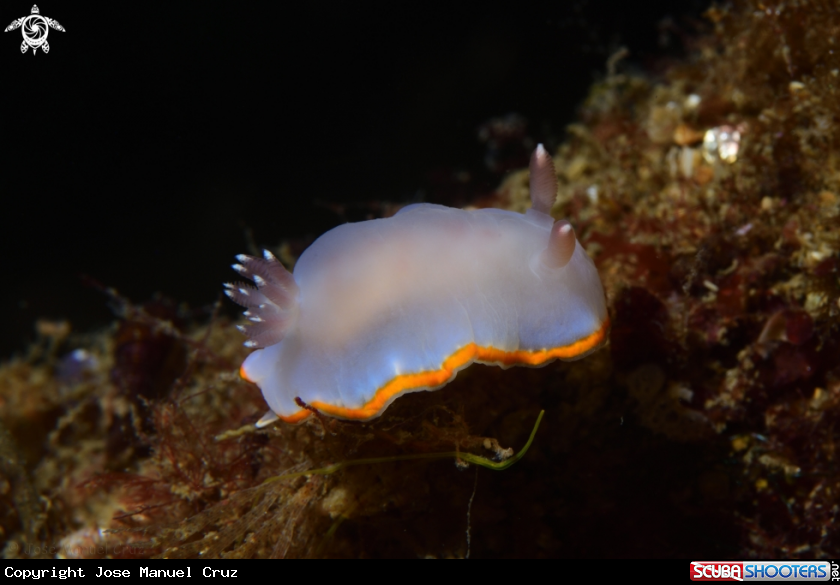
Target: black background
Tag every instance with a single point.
(152, 138)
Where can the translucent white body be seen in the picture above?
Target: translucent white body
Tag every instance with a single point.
(387, 298)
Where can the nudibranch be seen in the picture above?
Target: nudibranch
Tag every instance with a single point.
(380, 308)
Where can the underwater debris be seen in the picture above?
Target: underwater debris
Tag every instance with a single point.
(722, 143)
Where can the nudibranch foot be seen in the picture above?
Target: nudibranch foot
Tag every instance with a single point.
(268, 418)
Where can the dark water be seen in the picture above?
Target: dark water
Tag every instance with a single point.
(150, 140)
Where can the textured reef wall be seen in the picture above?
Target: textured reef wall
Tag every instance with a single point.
(709, 198)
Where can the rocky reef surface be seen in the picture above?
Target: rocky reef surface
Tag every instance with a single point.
(709, 197)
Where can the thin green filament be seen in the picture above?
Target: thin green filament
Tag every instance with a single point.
(468, 457)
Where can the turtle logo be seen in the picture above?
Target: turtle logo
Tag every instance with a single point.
(35, 29)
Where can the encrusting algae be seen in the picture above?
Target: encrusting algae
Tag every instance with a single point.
(709, 199)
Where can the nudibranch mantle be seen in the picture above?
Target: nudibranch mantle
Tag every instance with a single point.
(380, 308)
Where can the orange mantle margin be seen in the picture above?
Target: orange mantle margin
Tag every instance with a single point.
(405, 383)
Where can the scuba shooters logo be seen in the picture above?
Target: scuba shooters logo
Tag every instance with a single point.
(35, 29)
(764, 571)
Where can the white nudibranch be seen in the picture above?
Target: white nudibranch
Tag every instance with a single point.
(380, 308)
